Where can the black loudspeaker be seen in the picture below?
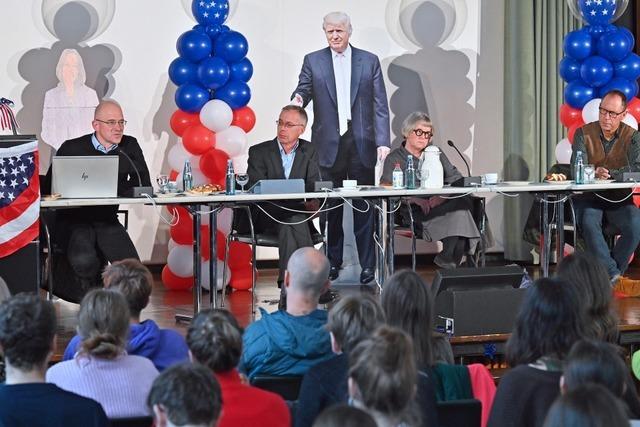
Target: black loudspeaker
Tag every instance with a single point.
(21, 269)
(479, 301)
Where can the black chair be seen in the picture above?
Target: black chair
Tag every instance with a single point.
(460, 413)
(288, 387)
(131, 422)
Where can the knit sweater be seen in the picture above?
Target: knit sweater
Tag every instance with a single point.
(120, 385)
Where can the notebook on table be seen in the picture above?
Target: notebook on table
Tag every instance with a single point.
(84, 177)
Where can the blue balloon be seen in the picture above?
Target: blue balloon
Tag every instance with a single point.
(628, 68)
(231, 46)
(213, 72)
(596, 31)
(212, 12)
(577, 94)
(596, 71)
(597, 12)
(213, 31)
(191, 97)
(194, 45)
(578, 44)
(182, 71)
(614, 46)
(235, 93)
(242, 70)
(628, 87)
(199, 28)
(569, 69)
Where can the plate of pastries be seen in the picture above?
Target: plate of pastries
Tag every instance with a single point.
(557, 178)
(204, 189)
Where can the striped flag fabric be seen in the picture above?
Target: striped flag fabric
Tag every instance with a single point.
(19, 196)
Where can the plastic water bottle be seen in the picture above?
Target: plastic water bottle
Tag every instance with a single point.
(230, 183)
(579, 168)
(187, 176)
(410, 177)
(397, 177)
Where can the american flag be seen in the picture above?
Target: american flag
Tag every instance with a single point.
(19, 196)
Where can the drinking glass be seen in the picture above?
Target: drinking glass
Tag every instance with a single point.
(163, 181)
(242, 179)
(589, 174)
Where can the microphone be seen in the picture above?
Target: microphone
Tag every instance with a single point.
(321, 185)
(466, 181)
(140, 190)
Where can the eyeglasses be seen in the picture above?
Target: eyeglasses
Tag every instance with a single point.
(287, 125)
(612, 114)
(419, 132)
(113, 123)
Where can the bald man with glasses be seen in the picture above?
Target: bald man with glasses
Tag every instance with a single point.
(612, 147)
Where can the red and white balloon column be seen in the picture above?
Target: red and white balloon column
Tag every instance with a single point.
(212, 120)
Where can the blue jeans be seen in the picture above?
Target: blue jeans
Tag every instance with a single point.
(625, 217)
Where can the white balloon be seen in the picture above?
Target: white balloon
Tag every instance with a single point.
(180, 260)
(225, 217)
(631, 121)
(216, 115)
(194, 159)
(232, 141)
(205, 274)
(177, 156)
(171, 244)
(590, 110)
(563, 151)
(240, 163)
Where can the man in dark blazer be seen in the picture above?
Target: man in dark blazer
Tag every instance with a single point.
(350, 128)
(286, 157)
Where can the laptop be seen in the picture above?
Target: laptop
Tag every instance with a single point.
(85, 177)
(278, 186)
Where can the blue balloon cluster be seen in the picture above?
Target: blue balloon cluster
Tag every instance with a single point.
(212, 62)
(598, 59)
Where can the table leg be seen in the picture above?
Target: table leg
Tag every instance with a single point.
(560, 229)
(391, 249)
(213, 258)
(197, 267)
(546, 238)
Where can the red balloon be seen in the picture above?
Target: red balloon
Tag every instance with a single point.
(175, 283)
(636, 197)
(244, 118)
(569, 115)
(633, 107)
(213, 164)
(173, 175)
(182, 231)
(181, 120)
(241, 278)
(221, 242)
(198, 139)
(574, 127)
(239, 255)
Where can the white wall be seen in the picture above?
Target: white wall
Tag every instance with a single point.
(441, 55)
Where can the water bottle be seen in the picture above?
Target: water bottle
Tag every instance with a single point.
(397, 177)
(410, 177)
(230, 183)
(187, 176)
(579, 168)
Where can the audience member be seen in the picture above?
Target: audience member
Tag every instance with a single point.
(549, 322)
(27, 334)
(215, 340)
(351, 320)
(290, 341)
(163, 347)
(591, 279)
(101, 369)
(344, 416)
(590, 405)
(382, 377)
(185, 395)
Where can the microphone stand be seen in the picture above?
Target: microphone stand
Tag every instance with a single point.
(465, 181)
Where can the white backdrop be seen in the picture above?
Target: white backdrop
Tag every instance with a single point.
(444, 56)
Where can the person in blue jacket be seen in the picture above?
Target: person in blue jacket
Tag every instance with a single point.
(289, 342)
(164, 347)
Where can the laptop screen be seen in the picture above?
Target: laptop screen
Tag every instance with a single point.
(85, 177)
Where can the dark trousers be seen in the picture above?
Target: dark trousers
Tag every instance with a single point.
(349, 166)
(291, 238)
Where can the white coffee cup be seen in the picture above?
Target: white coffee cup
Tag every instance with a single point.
(349, 183)
(490, 178)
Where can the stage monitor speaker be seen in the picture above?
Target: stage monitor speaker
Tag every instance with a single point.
(477, 301)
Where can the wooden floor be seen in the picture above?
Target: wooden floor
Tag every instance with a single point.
(165, 304)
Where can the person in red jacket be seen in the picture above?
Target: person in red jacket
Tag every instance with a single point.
(215, 341)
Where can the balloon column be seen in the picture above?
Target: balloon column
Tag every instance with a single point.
(598, 58)
(212, 120)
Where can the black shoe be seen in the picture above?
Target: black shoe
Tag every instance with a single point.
(367, 275)
(444, 261)
(334, 272)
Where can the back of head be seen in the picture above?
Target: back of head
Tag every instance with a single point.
(103, 323)
(215, 339)
(590, 405)
(549, 322)
(353, 319)
(590, 277)
(186, 394)
(408, 305)
(595, 362)
(27, 328)
(131, 278)
(344, 416)
(308, 271)
(384, 370)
